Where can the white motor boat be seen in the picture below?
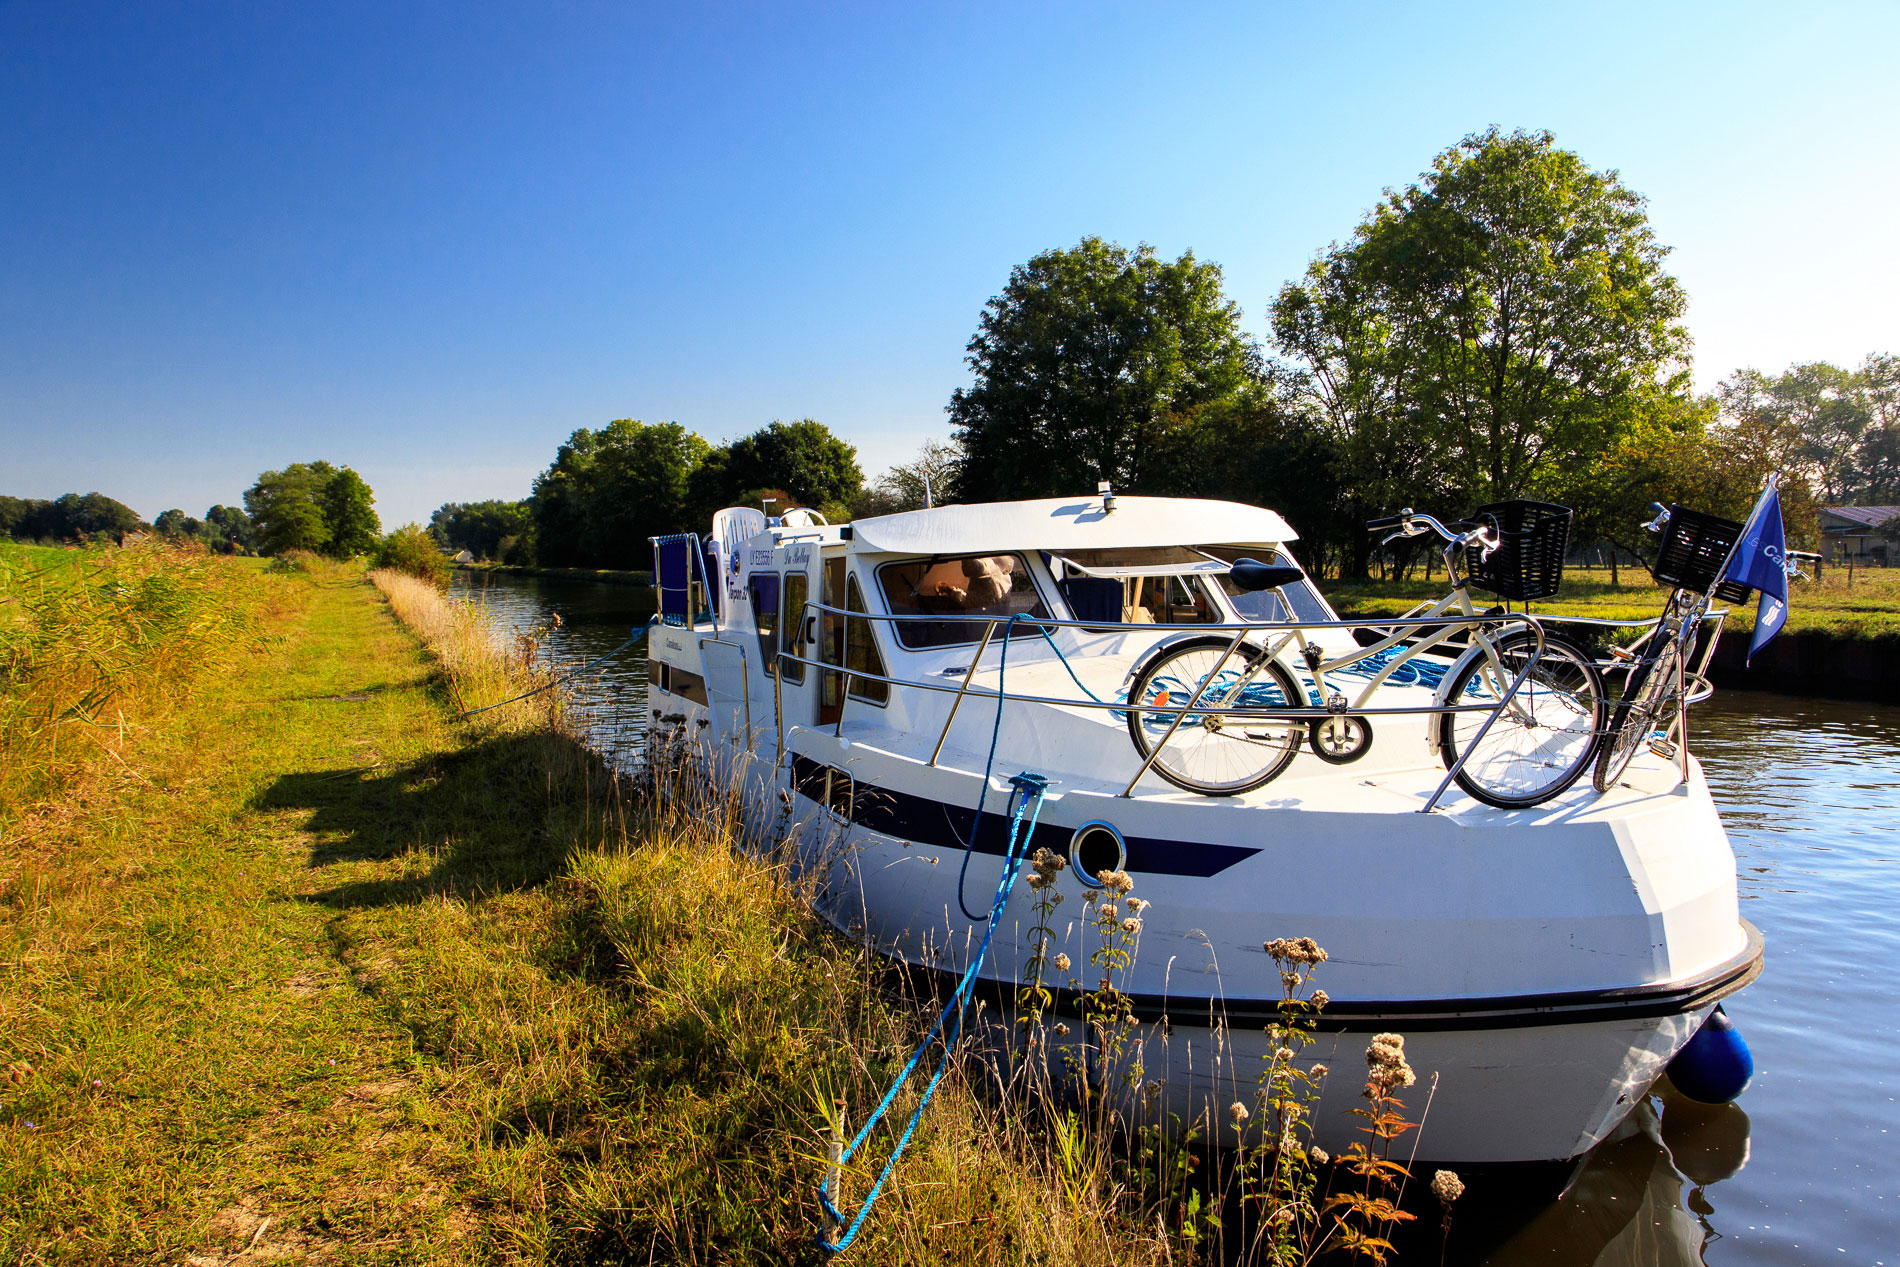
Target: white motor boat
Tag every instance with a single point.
(878, 681)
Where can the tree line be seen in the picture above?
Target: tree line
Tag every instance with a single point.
(1503, 327)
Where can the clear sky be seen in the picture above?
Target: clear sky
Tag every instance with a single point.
(430, 240)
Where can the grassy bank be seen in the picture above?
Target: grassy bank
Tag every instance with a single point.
(1868, 609)
(319, 972)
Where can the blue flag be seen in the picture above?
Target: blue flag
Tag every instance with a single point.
(1760, 562)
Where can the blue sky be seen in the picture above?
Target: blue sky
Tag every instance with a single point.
(430, 240)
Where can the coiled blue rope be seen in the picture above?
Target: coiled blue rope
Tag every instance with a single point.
(1027, 789)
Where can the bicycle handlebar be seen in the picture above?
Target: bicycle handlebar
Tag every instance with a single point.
(1411, 523)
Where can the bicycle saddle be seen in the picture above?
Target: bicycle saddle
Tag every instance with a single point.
(1251, 575)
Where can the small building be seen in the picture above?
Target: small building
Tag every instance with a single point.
(1853, 532)
(462, 558)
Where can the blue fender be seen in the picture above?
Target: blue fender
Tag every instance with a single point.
(1715, 1066)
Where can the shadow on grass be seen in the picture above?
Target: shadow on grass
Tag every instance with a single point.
(503, 814)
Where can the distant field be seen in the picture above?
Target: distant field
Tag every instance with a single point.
(1868, 609)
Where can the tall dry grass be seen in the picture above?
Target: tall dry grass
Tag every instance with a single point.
(480, 668)
(98, 645)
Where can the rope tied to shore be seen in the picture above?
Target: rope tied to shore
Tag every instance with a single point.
(570, 675)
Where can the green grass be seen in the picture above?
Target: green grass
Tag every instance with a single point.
(314, 972)
(1867, 609)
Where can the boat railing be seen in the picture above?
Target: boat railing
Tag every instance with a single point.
(1441, 627)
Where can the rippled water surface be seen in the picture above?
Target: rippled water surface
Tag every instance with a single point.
(1805, 1168)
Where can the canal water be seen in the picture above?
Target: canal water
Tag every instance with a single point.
(1805, 1167)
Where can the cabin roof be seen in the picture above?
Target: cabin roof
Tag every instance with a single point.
(1069, 523)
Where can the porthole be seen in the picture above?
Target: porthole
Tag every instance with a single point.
(1095, 848)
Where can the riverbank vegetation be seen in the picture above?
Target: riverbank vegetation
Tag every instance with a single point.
(98, 646)
(317, 967)
(1503, 327)
(1861, 605)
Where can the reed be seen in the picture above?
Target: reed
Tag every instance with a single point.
(482, 668)
(97, 646)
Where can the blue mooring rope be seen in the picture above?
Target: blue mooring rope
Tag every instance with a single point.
(1025, 788)
(1028, 787)
(568, 676)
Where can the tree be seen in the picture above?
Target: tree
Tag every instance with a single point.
(804, 458)
(1503, 317)
(175, 523)
(923, 481)
(284, 508)
(482, 527)
(349, 512)
(19, 516)
(1085, 361)
(227, 528)
(313, 506)
(609, 490)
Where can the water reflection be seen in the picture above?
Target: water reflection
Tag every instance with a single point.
(610, 703)
(1642, 1197)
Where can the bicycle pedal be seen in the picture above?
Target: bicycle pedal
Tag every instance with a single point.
(1662, 747)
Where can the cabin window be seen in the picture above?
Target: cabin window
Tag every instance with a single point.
(860, 652)
(764, 588)
(792, 618)
(977, 585)
(1168, 600)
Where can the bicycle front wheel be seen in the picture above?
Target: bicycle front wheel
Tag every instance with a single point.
(1217, 750)
(1646, 695)
(1543, 738)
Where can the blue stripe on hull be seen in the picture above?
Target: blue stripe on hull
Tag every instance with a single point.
(932, 822)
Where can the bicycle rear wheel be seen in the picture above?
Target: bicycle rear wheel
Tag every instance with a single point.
(1215, 751)
(1648, 692)
(1544, 737)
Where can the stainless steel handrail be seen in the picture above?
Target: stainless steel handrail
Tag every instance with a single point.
(1441, 623)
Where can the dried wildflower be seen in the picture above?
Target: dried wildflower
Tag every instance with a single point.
(1447, 1187)
(1108, 910)
(1131, 926)
(1283, 1055)
(1385, 1059)
(1116, 882)
(1320, 1071)
(1062, 963)
(1137, 905)
(1319, 1155)
(1301, 950)
(1238, 1112)
(1321, 998)
(1062, 1030)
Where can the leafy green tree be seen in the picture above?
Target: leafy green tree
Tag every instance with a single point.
(1085, 361)
(482, 527)
(175, 523)
(227, 528)
(19, 516)
(77, 517)
(349, 512)
(1501, 319)
(803, 458)
(609, 490)
(286, 510)
(411, 549)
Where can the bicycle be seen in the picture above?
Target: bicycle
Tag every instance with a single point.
(1693, 555)
(1542, 740)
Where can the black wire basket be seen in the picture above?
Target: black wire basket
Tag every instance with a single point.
(1695, 546)
(1529, 560)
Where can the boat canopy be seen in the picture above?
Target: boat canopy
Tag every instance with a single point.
(1060, 524)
